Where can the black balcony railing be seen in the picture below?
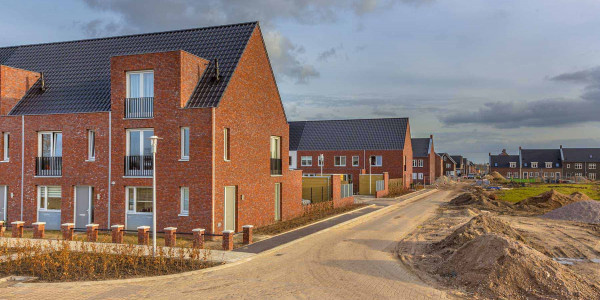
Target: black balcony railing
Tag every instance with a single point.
(139, 108)
(138, 165)
(275, 166)
(48, 166)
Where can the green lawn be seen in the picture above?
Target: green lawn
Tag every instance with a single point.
(517, 194)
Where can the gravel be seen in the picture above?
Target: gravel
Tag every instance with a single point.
(581, 211)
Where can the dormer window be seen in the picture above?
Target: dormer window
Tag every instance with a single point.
(548, 165)
(534, 164)
(513, 164)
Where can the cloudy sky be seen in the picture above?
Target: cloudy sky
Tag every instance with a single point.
(479, 75)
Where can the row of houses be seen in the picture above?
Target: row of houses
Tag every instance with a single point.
(553, 164)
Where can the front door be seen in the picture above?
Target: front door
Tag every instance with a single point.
(3, 197)
(230, 196)
(277, 201)
(83, 205)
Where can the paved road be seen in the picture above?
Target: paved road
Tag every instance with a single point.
(347, 262)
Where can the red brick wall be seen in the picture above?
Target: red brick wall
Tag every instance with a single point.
(438, 166)
(385, 191)
(14, 83)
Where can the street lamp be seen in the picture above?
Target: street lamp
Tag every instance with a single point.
(321, 162)
(154, 142)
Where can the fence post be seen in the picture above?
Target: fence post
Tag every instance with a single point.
(92, 232)
(198, 238)
(117, 234)
(247, 234)
(143, 235)
(39, 230)
(228, 240)
(2, 228)
(67, 231)
(17, 229)
(170, 236)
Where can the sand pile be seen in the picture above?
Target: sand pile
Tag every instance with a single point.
(496, 176)
(579, 196)
(545, 202)
(481, 200)
(495, 266)
(581, 211)
(479, 225)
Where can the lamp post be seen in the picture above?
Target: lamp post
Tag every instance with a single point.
(370, 173)
(154, 142)
(321, 162)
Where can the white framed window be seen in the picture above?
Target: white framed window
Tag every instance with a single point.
(355, 161)
(6, 139)
(568, 166)
(414, 176)
(414, 163)
(139, 199)
(420, 163)
(50, 144)
(320, 162)
(508, 175)
(534, 164)
(138, 142)
(49, 198)
(226, 144)
(306, 161)
(185, 143)
(420, 175)
(578, 166)
(578, 174)
(513, 164)
(448, 166)
(592, 176)
(378, 161)
(592, 166)
(91, 145)
(140, 84)
(548, 165)
(545, 174)
(339, 161)
(185, 201)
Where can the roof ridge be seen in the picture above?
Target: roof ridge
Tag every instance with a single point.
(360, 119)
(130, 35)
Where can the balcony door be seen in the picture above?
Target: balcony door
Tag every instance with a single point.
(138, 161)
(140, 95)
(49, 160)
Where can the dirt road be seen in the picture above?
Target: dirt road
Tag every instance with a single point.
(352, 261)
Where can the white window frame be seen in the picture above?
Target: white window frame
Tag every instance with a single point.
(182, 191)
(578, 166)
(320, 163)
(6, 146)
(91, 145)
(420, 163)
(592, 176)
(420, 176)
(592, 166)
(355, 158)
(414, 176)
(308, 160)
(134, 211)
(534, 164)
(548, 165)
(335, 161)
(414, 163)
(142, 73)
(128, 142)
(380, 160)
(44, 199)
(52, 142)
(513, 164)
(185, 157)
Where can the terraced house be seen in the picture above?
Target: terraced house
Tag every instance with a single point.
(580, 162)
(505, 164)
(77, 117)
(541, 163)
(424, 158)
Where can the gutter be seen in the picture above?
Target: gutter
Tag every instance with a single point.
(109, 165)
(22, 161)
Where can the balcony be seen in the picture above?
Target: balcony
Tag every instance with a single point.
(139, 108)
(48, 166)
(138, 166)
(276, 166)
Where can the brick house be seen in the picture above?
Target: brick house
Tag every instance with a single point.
(541, 163)
(423, 160)
(76, 118)
(448, 165)
(580, 162)
(461, 165)
(348, 145)
(439, 165)
(505, 164)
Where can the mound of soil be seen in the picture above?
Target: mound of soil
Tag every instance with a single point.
(480, 200)
(581, 211)
(479, 225)
(495, 266)
(579, 196)
(496, 176)
(545, 202)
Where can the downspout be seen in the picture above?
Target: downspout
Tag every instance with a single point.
(109, 165)
(22, 162)
(213, 172)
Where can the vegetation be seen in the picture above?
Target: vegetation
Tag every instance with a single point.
(521, 193)
(396, 188)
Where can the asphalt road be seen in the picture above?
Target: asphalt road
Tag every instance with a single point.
(353, 261)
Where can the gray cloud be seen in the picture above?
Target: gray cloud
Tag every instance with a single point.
(325, 55)
(539, 113)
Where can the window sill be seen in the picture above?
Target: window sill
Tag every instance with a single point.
(183, 215)
(227, 160)
(276, 175)
(49, 210)
(139, 213)
(90, 160)
(184, 159)
(4, 161)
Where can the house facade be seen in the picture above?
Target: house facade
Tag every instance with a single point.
(353, 147)
(424, 158)
(77, 117)
(541, 163)
(448, 165)
(505, 164)
(580, 162)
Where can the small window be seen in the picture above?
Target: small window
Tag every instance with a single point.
(568, 166)
(49, 197)
(548, 165)
(414, 162)
(592, 176)
(513, 164)
(534, 164)
(355, 161)
(185, 201)
(420, 163)
(226, 144)
(495, 164)
(339, 161)
(185, 143)
(306, 161)
(320, 160)
(592, 166)
(139, 199)
(290, 160)
(420, 175)
(91, 145)
(414, 176)
(578, 166)
(6, 146)
(378, 160)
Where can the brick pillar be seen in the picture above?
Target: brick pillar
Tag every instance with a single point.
(198, 238)
(144, 235)
(39, 229)
(247, 234)
(67, 231)
(2, 228)
(170, 236)
(117, 234)
(92, 232)
(228, 240)
(17, 229)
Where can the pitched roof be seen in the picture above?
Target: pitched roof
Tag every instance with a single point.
(503, 160)
(77, 73)
(420, 146)
(541, 156)
(458, 159)
(448, 156)
(359, 134)
(581, 154)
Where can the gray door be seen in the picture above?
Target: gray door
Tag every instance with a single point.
(83, 207)
(230, 207)
(3, 197)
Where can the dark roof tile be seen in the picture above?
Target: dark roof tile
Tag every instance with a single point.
(420, 146)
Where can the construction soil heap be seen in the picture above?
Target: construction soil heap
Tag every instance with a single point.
(581, 211)
(548, 201)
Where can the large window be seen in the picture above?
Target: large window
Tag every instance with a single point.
(49, 197)
(139, 199)
(339, 161)
(306, 161)
(6, 137)
(138, 142)
(226, 144)
(140, 84)
(185, 143)
(185, 201)
(91, 145)
(50, 144)
(355, 161)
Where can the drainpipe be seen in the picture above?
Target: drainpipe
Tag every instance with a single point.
(22, 162)
(109, 166)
